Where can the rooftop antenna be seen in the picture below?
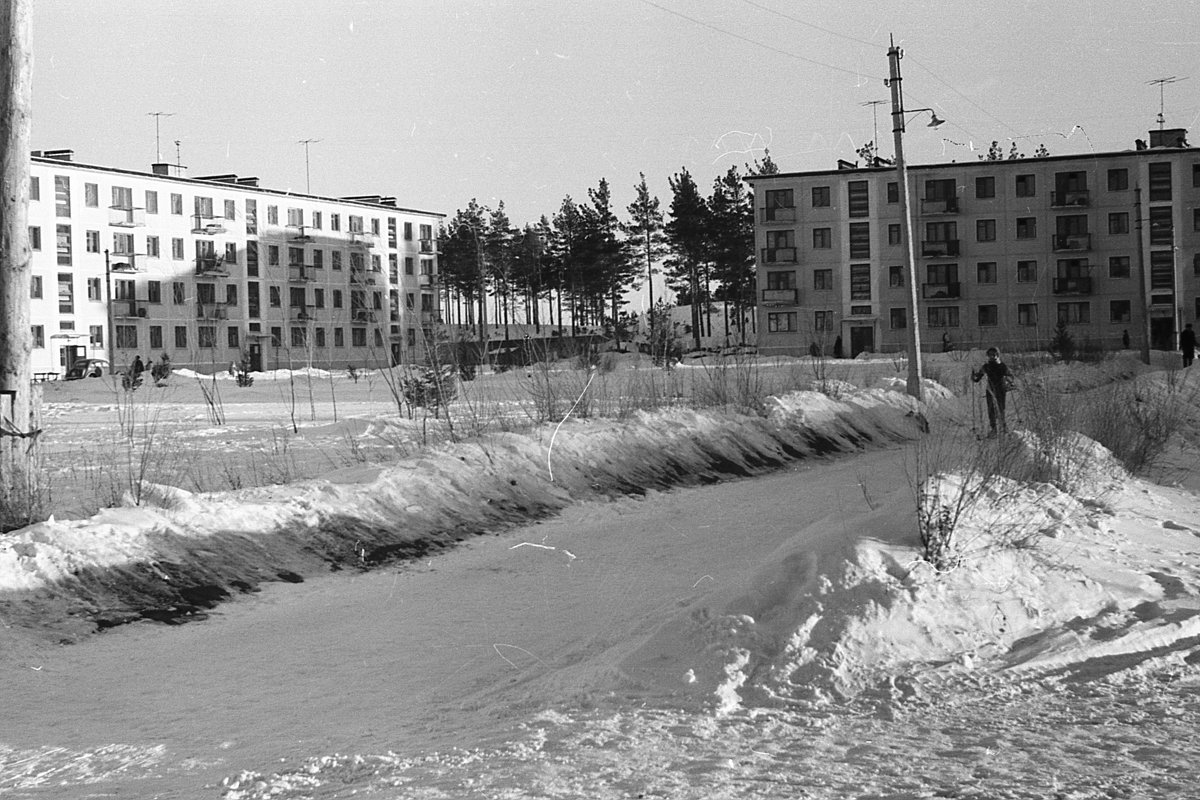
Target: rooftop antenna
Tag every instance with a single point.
(1162, 83)
(158, 115)
(178, 159)
(307, 180)
(875, 104)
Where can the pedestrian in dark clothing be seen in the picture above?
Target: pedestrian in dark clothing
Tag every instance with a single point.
(1125, 339)
(999, 380)
(138, 367)
(1187, 343)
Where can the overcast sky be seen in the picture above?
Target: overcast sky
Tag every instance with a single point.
(528, 101)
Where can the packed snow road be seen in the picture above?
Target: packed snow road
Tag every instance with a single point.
(455, 651)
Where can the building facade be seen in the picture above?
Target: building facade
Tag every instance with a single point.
(1105, 243)
(215, 270)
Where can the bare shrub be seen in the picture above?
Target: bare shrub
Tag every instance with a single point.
(731, 382)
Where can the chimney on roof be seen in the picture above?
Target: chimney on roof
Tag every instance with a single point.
(1170, 137)
(61, 155)
(171, 170)
(248, 182)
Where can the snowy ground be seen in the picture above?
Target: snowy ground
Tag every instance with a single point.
(770, 637)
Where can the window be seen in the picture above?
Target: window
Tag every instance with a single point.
(989, 316)
(177, 204)
(252, 217)
(1026, 186)
(354, 223)
(780, 207)
(272, 215)
(35, 287)
(781, 247)
(823, 320)
(1027, 314)
(893, 192)
(35, 188)
(231, 338)
(859, 198)
(1118, 180)
(295, 217)
(375, 225)
(39, 336)
(1118, 222)
(151, 202)
(943, 316)
(96, 334)
(376, 263)
(781, 322)
(320, 336)
(335, 260)
(93, 289)
(1118, 266)
(860, 240)
(408, 265)
(152, 247)
(985, 272)
(1074, 313)
(274, 297)
(1160, 182)
(985, 230)
(898, 318)
(206, 336)
(231, 209)
(318, 259)
(177, 248)
(335, 224)
(780, 280)
(66, 294)
(156, 337)
(122, 197)
(860, 282)
(181, 337)
(820, 196)
(178, 293)
(91, 195)
(63, 242)
(272, 255)
(823, 279)
(204, 207)
(123, 244)
(1162, 225)
(985, 187)
(1195, 176)
(1120, 311)
(316, 220)
(1026, 227)
(822, 238)
(1196, 219)
(153, 291)
(276, 336)
(393, 268)
(35, 237)
(1162, 270)
(894, 235)
(337, 298)
(127, 338)
(895, 276)
(408, 231)
(941, 274)
(358, 337)
(1026, 271)
(92, 240)
(318, 298)
(62, 196)
(231, 295)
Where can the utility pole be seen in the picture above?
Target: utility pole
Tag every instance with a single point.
(914, 322)
(18, 406)
(1142, 281)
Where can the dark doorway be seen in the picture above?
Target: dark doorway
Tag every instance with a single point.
(256, 357)
(1162, 333)
(861, 339)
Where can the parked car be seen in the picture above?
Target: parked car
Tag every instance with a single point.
(87, 368)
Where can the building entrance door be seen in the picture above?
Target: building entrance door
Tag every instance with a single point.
(861, 338)
(256, 357)
(1162, 333)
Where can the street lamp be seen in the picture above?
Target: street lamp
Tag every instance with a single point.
(898, 127)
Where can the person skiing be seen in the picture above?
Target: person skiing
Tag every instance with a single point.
(998, 382)
(1187, 343)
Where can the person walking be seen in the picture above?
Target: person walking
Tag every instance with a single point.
(999, 380)
(1187, 343)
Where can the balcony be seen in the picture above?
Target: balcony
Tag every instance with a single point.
(429, 317)
(121, 217)
(426, 246)
(300, 273)
(207, 226)
(300, 236)
(780, 297)
(124, 263)
(941, 291)
(362, 315)
(126, 308)
(941, 205)
(361, 275)
(364, 238)
(301, 314)
(426, 280)
(939, 248)
(1072, 242)
(1075, 285)
(779, 214)
(212, 266)
(212, 311)
(779, 255)
(1077, 198)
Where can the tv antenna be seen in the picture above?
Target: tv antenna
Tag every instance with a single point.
(1162, 84)
(158, 115)
(307, 180)
(874, 104)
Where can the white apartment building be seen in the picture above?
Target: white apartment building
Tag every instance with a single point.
(215, 270)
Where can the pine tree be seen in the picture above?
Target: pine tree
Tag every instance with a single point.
(687, 239)
(732, 232)
(644, 232)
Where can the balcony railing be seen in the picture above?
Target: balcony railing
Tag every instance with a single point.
(429, 317)
(300, 273)
(362, 275)
(941, 291)
(1076, 197)
(1077, 285)
(301, 314)
(942, 205)
(212, 311)
(939, 248)
(362, 315)
(779, 255)
(779, 214)
(128, 308)
(120, 217)
(781, 297)
(426, 280)
(124, 262)
(363, 238)
(211, 265)
(300, 236)
(426, 246)
(1072, 242)
(207, 226)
